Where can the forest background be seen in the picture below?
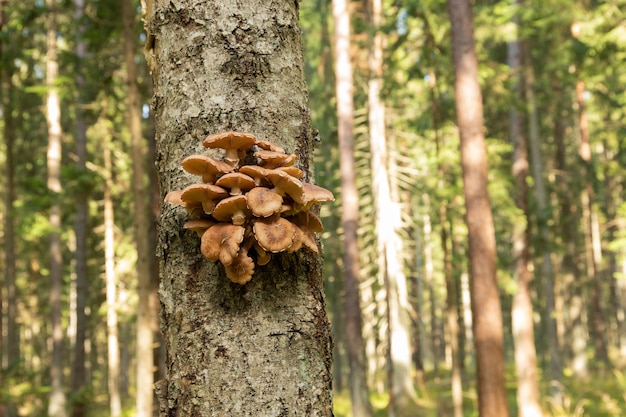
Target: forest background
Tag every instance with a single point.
(81, 199)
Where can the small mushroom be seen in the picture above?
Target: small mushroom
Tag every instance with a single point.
(293, 171)
(259, 174)
(271, 159)
(316, 194)
(221, 242)
(208, 168)
(274, 234)
(174, 197)
(286, 184)
(263, 202)
(269, 146)
(199, 225)
(236, 182)
(234, 143)
(309, 220)
(241, 269)
(233, 209)
(206, 194)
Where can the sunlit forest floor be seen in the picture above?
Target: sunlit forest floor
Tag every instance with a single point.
(603, 395)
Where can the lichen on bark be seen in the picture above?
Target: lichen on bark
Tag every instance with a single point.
(264, 348)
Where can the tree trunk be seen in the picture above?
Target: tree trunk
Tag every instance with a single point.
(12, 347)
(56, 405)
(359, 393)
(387, 224)
(486, 313)
(79, 380)
(146, 314)
(263, 348)
(592, 235)
(113, 351)
(543, 225)
(528, 400)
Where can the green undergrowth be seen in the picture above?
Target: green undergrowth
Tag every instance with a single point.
(602, 395)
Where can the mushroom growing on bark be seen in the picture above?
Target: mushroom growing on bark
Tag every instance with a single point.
(240, 207)
(234, 143)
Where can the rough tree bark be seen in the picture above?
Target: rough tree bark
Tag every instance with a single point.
(263, 348)
(359, 393)
(486, 312)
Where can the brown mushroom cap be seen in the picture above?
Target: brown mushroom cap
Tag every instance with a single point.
(208, 168)
(314, 193)
(233, 143)
(293, 171)
(193, 208)
(297, 239)
(205, 194)
(259, 174)
(308, 240)
(236, 182)
(221, 242)
(271, 159)
(309, 220)
(274, 234)
(263, 202)
(286, 184)
(233, 209)
(199, 225)
(241, 269)
(269, 146)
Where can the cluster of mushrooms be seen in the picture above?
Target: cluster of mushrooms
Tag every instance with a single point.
(238, 207)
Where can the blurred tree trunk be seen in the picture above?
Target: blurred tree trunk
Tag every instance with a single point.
(56, 405)
(388, 216)
(147, 312)
(359, 393)
(263, 348)
(451, 287)
(12, 347)
(79, 380)
(593, 247)
(547, 270)
(113, 350)
(487, 315)
(528, 400)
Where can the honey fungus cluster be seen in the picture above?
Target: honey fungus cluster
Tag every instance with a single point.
(240, 207)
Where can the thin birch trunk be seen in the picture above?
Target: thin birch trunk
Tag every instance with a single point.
(57, 400)
(359, 393)
(263, 348)
(487, 314)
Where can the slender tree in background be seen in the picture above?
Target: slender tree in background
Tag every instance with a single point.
(263, 348)
(541, 198)
(113, 350)
(359, 393)
(528, 400)
(145, 309)
(389, 243)
(12, 347)
(56, 405)
(486, 313)
(78, 377)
